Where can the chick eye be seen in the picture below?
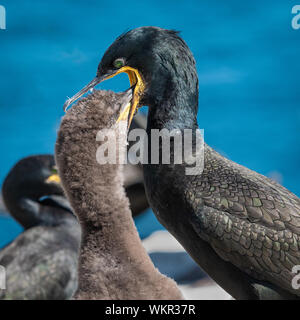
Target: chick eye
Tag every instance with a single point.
(119, 63)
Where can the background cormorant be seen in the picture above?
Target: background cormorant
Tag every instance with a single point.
(41, 263)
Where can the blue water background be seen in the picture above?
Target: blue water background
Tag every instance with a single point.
(248, 60)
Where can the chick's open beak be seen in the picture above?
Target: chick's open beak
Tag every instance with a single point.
(136, 81)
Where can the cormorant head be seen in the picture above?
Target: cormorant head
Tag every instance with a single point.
(28, 188)
(157, 61)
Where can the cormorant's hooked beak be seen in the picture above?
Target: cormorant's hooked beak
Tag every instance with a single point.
(84, 90)
(136, 81)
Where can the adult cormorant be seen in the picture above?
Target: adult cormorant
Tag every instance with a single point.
(41, 263)
(113, 264)
(242, 228)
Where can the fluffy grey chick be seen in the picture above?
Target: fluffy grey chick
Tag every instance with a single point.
(113, 263)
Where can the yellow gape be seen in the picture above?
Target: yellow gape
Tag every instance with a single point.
(54, 178)
(136, 79)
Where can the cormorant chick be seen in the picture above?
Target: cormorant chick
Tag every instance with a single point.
(113, 263)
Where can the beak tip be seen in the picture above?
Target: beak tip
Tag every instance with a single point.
(66, 104)
(89, 86)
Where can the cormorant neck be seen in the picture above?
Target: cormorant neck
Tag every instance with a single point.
(14, 203)
(30, 212)
(176, 106)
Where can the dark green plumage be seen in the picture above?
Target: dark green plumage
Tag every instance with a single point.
(242, 228)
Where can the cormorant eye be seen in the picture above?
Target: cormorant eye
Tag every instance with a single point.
(119, 63)
(54, 170)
